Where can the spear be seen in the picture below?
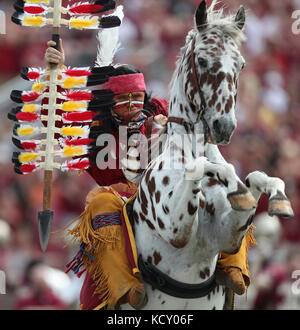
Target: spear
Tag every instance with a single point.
(78, 106)
(45, 217)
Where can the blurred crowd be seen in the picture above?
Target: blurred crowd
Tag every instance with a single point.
(267, 139)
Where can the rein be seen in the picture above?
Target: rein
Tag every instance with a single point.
(181, 121)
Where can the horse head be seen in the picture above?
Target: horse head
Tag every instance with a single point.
(210, 71)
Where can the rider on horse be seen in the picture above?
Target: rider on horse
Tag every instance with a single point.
(110, 279)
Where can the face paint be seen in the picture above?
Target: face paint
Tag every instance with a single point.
(129, 112)
(138, 104)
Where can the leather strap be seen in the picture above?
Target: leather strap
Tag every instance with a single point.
(149, 127)
(166, 284)
(194, 72)
(176, 120)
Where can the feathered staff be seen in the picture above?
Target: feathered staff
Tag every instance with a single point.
(73, 109)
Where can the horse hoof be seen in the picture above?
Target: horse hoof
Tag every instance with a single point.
(280, 207)
(242, 199)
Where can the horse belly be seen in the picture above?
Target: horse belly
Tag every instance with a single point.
(160, 301)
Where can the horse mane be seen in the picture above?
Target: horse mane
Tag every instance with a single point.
(215, 19)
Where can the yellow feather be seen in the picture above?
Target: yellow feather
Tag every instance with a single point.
(27, 157)
(71, 106)
(33, 21)
(73, 151)
(29, 108)
(38, 1)
(80, 24)
(72, 82)
(25, 131)
(38, 87)
(72, 131)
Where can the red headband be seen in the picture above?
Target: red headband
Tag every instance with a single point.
(126, 83)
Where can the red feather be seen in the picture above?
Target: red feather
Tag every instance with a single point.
(33, 75)
(78, 142)
(27, 116)
(80, 96)
(81, 164)
(30, 97)
(85, 9)
(29, 145)
(34, 9)
(78, 73)
(79, 116)
(27, 168)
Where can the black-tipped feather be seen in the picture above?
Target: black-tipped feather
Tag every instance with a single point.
(109, 22)
(19, 6)
(17, 143)
(16, 95)
(15, 19)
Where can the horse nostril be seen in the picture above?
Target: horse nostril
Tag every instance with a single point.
(217, 127)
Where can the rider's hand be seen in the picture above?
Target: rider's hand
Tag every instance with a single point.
(161, 120)
(55, 56)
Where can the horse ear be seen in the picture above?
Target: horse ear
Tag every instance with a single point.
(201, 15)
(240, 18)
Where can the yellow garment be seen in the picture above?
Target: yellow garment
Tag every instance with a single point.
(240, 259)
(110, 269)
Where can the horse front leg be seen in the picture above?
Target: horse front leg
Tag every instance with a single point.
(240, 198)
(259, 182)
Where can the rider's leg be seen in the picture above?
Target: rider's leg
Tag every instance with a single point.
(104, 254)
(233, 269)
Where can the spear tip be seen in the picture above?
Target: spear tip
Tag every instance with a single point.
(45, 219)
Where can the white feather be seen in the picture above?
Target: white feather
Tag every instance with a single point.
(109, 42)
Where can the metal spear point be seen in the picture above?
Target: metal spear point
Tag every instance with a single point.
(45, 217)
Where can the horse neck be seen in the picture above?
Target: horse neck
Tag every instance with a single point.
(191, 133)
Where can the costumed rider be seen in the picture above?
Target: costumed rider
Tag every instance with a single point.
(112, 278)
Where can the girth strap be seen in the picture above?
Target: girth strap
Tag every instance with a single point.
(166, 284)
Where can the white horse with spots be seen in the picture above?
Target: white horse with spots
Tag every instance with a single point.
(190, 204)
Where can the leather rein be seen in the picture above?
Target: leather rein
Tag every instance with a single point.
(181, 121)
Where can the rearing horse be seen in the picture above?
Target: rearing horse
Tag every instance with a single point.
(190, 204)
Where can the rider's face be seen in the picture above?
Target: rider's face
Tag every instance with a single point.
(129, 104)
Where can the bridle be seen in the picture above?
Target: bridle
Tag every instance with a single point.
(196, 83)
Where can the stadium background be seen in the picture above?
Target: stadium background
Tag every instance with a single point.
(267, 137)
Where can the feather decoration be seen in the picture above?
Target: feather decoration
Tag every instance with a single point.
(26, 168)
(75, 142)
(25, 130)
(76, 165)
(35, 9)
(47, 2)
(84, 95)
(73, 106)
(78, 116)
(28, 145)
(109, 42)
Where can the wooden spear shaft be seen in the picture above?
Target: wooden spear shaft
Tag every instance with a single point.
(45, 217)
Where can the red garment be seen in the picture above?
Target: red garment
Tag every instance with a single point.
(108, 176)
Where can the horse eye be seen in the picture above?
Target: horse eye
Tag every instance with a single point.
(243, 65)
(202, 61)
